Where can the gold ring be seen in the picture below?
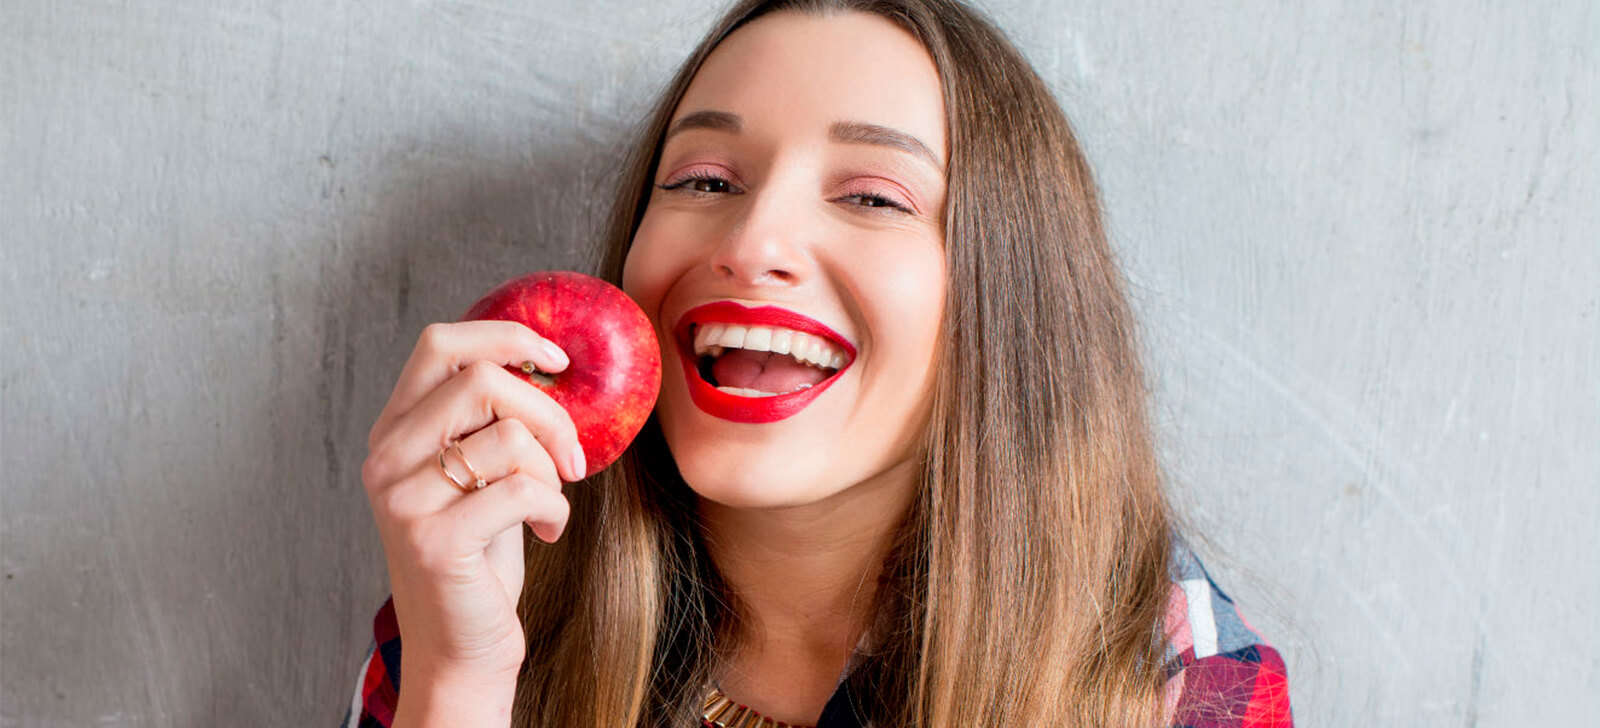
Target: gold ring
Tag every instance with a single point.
(477, 480)
(445, 468)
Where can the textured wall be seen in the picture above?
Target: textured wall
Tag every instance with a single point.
(1365, 237)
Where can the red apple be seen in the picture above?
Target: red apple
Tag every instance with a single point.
(611, 384)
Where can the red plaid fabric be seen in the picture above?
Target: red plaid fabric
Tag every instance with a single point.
(1221, 673)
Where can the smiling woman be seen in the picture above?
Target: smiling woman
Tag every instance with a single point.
(784, 213)
(900, 471)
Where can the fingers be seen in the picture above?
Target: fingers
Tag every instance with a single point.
(512, 500)
(496, 451)
(443, 350)
(476, 398)
(438, 528)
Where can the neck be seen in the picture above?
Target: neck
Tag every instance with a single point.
(807, 580)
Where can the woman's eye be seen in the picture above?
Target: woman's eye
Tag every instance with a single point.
(876, 201)
(709, 185)
(701, 185)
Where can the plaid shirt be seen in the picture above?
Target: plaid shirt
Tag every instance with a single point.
(1221, 674)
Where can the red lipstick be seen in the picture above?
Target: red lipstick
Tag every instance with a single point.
(751, 410)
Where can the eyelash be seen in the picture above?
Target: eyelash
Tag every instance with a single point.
(883, 203)
(684, 184)
(691, 178)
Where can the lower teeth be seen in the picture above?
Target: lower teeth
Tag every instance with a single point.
(742, 392)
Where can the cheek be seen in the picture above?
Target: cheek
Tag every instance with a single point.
(909, 292)
(645, 272)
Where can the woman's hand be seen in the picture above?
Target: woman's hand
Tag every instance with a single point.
(455, 557)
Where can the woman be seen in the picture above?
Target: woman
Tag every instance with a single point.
(941, 507)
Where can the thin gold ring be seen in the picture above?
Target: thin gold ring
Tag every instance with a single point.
(477, 480)
(445, 468)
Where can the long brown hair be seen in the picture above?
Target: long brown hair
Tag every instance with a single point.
(1030, 577)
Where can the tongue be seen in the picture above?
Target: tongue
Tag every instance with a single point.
(763, 371)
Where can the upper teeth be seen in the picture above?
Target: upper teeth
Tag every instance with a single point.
(712, 339)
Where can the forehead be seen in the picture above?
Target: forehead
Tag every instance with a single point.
(797, 72)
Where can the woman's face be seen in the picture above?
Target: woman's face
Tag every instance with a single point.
(791, 258)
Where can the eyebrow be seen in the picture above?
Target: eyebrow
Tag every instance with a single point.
(844, 132)
(716, 120)
(858, 132)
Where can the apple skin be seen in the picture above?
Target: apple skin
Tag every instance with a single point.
(611, 385)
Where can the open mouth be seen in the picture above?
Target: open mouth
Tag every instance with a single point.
(758, 364)
(762, 361)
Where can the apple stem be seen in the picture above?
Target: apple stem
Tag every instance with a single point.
(536, 376)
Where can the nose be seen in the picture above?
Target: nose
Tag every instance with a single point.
(764, 247)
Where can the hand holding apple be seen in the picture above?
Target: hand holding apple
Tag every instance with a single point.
(456, 559)
(611, 385)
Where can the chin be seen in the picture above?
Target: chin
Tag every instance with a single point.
(745, 484)
(740, 465)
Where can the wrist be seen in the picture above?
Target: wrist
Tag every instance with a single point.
(432, 695)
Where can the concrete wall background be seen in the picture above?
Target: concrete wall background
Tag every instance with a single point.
(1365, 238)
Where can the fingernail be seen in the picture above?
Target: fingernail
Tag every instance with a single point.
(579, 466)
(555, 354)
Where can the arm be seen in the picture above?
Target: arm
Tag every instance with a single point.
(434, 698)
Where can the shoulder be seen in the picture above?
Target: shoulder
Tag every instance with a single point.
(1221, 672)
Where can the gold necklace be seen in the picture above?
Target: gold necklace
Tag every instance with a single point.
(718, 711)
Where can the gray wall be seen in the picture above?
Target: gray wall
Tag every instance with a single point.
(1365, 238)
